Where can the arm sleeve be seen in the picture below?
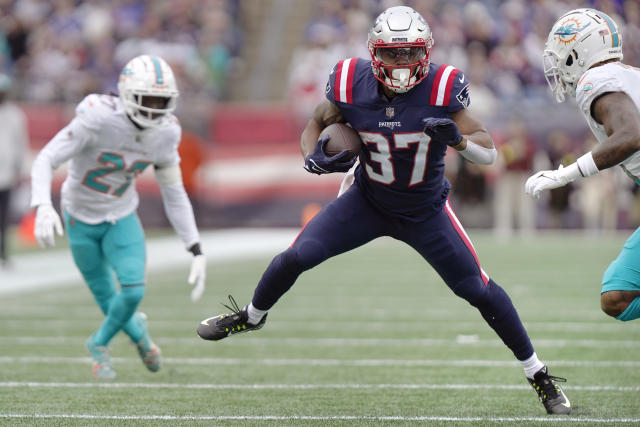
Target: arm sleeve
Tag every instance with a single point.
(177, 205)
(67, 143)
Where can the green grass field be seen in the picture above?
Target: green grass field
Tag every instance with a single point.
(372, 337)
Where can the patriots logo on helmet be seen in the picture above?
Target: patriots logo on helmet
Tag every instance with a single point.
(463, 96)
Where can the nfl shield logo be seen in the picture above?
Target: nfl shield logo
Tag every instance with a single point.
(390, 112)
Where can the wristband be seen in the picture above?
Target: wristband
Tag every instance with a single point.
(478, 154)
(587, 165)
(195, 249)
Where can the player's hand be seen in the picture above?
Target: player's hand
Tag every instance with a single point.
(47, 222)
(197, 275)
(546, 180)
(319, 163)
(442, 130)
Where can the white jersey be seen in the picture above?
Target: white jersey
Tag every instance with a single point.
(106, 152)
(611, 77)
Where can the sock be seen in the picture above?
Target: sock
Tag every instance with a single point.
(122, 307)
(255, 315)
(632, 311)
(532, 365)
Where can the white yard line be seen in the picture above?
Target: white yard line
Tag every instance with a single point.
(460, 341)
(208, 361)
(550, 420)
(353, 386)
(55, 268)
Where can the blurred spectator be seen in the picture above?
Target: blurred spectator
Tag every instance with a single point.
(515, 163)
(13, 146)
(191, 151)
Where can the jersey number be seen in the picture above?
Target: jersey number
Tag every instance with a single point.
(382, 155)
(113, 162)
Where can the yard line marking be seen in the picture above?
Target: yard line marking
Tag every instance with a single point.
(316, 325)
(553, 420)
(327, 362)
(31, 384)
(461, 340)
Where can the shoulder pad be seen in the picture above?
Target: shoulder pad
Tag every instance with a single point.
(94, 108)
(340, 85)
(594, 83)
(450, 88)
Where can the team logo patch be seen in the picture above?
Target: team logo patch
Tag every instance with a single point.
(588, 87)
(390, 112)
(463, 96)
(569, 30)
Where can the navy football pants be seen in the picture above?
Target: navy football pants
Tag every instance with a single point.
(351, 221)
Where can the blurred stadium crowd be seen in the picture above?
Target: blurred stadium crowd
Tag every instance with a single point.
(57, 51)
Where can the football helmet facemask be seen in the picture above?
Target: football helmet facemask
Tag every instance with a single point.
(144, 81)
(399, 44)
(577, 41)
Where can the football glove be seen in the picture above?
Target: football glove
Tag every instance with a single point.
(442, 130)
(47, 221)
(197, 275)
(548, 180)
(319, 163)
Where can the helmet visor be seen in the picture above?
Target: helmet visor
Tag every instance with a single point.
(400, 55)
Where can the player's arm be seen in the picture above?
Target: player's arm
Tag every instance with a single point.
(312, 149)
(464, 133)
(179, 211)
(621, 120)
(326, 113)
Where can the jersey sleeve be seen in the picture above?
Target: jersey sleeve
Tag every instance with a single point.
(450, 89)
(341, 81)
(168, 154)
(594, 83)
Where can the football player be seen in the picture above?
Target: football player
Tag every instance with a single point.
(582, 59)
(111, 140)
(408, 111)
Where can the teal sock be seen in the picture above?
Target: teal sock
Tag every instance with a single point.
(122, 307)
(632, 311)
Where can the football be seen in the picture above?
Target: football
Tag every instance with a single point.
(343, 137)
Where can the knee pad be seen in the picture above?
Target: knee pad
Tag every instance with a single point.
(308, 253)
(132, 294)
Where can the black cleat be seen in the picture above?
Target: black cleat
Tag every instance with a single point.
(218, 327)
(550, 393)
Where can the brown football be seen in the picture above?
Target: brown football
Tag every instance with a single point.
(343, 137)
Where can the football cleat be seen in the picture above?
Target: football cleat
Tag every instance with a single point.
(219, 327)
(102, 365)
(550, 393)
(148, 351)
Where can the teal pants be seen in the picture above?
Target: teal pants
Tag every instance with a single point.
(623, 274)
(103, 252)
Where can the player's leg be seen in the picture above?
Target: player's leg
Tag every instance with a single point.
(85, 244)
(4, 223)
(620, 295)
(124, 247)
(346, 223)
(442, 241)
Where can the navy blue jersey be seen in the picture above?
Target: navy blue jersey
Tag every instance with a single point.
(401, 170)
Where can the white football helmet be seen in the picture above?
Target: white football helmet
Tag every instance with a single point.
(398, 32)
(577, 41)
(147, 76)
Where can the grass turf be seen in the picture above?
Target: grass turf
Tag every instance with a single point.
(370, 337)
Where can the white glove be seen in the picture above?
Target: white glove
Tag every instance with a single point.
(548, 180)
(47, 221)
(197, 276)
